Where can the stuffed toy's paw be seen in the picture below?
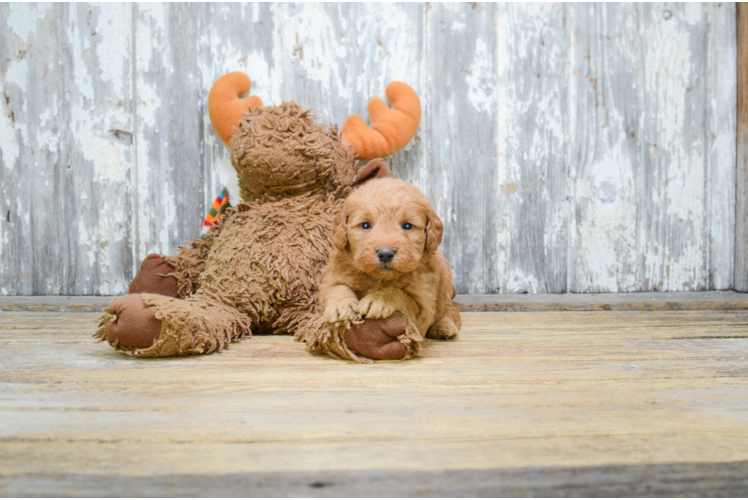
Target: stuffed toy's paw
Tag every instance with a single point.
(152, 277)
(132, 324)
(378, 338)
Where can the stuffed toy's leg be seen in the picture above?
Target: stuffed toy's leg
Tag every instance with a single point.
(173, 276)
(149, 325)
(392, 338)
(176, 275)
(155, 276)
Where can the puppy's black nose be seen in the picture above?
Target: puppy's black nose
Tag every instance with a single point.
(385, 255)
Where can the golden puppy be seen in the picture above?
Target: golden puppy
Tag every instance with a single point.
(386, 260)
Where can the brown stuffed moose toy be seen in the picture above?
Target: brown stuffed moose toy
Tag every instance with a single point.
(259, 267)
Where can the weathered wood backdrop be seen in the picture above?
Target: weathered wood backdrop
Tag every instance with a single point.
(577, 147)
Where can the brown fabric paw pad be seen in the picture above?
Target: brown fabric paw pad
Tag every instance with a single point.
(131, 324)
(378, 338)
(152, 277)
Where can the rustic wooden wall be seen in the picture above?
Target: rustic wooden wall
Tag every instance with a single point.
(568, 147)
(741, 201)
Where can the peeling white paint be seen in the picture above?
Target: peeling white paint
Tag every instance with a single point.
(525, 146)
(114, 29)
(109, 163)
(671, 73)
(479, 78)
(301, 38)
(694, 13)
(12, 119)
(152, 54)
(10, 151)
(23, 18)
(519, 282)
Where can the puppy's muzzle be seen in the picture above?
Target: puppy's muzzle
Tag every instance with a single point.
(385, 255)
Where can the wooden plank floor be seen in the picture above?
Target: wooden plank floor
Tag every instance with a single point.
(555, 403)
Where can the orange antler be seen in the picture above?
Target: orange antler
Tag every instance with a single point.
(391, 129)
(225, 106)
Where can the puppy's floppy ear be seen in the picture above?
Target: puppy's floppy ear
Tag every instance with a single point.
(434, 230)
(340, 231)
(375, 169)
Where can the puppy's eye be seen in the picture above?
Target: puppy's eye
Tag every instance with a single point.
(407, 226)
(365, 225)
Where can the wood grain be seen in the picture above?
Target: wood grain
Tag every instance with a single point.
(517, 391)
(604, 153)
(66, 149)
(661, 480)
(741, 206)
(673, 174)
(531, 237)
(640, 301)
(568, 148)
(722, 480)
(462, 139)
(721, 115)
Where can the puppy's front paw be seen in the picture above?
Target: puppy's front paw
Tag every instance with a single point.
(342, 312)
(444, 329)
(376, 307)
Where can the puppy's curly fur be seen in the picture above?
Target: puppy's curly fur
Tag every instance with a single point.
(365, 280)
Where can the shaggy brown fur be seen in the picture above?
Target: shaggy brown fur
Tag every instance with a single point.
(259, 266)
(386, 261)
(281, 151)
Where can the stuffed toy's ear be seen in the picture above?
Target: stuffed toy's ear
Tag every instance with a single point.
(340, 231)
(225, 105)
(375, 169)
(391, 129)
(434, 231)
